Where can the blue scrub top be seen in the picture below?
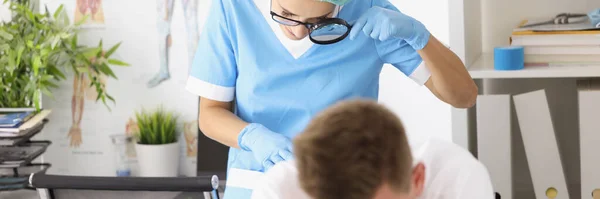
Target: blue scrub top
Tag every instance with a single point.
(239, 55)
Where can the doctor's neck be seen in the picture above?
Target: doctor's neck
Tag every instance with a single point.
(308, 11)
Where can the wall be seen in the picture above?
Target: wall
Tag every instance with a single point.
(135, 25)
(499, 18)
(4, 12)
(421, 112)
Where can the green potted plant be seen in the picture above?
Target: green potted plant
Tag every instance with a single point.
(157, 147)
(37, 49)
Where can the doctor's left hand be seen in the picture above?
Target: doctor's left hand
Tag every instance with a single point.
(383, 24)
(267, 147)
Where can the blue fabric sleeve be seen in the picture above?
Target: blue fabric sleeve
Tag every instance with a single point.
(213, 72)
(397, 51)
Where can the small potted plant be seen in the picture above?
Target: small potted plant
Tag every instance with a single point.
(157, 147)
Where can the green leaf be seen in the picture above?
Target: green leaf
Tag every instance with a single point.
(56, 72)
(156, 127)
(36, 100)
(110, 98)
(91, 52)
(117, 62)
(83, 69)
(4, 47)
(74, 42)
(106, 70)
(50, 84)
(20, 50)
(63, 59)
(112, 50)
(11, 62)
(47, 92)
(58, 11)
(55, 42)
(5, 35)
(47, 77)
(82, 21)
(36, 63)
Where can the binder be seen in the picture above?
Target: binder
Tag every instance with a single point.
(494, 141)
(589, 129)
(541, 148)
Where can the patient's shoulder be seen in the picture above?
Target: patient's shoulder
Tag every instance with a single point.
(452, 171)
(442, 150)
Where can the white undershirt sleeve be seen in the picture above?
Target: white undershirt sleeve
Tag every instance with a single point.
(421, 74)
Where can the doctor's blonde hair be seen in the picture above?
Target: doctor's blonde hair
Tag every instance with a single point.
(350, 150)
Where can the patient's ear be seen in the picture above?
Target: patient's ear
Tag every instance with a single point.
(418, 179)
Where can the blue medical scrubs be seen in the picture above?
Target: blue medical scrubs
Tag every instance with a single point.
(240, 55)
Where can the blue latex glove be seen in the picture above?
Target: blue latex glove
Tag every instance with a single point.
(595, 17)
(381, 23)
(268, 147)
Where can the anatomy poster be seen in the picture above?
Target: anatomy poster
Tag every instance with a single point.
(164, 21)
(158, 39)
(90, 10)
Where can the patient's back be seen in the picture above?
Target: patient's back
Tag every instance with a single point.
(451, 173)
(280, 182)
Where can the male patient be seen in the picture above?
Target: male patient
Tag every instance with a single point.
(358, 150)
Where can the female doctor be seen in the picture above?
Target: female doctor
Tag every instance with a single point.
(286, 60)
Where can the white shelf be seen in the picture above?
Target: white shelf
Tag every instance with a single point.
(483, 68)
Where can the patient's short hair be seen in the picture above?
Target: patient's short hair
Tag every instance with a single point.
(349, 150)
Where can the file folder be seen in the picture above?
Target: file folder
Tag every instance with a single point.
(589, 130)
(494, 141)
(541, 148)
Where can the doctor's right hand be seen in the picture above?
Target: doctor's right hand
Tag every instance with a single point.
(268, 147)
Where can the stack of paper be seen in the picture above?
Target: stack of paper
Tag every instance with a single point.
(559, 45)
(14, 119)
(23, 121)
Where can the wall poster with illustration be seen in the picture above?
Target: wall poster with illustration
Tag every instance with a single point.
(159, 39)
(90, 10)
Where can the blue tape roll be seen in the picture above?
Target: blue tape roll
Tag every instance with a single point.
(509, 58)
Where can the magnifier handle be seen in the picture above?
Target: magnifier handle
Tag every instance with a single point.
(351, 23)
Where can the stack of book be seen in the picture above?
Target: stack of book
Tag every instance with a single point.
(17, 150)
(20, 123)
(559, 45)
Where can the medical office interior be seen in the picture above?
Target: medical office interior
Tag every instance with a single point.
(535, 125)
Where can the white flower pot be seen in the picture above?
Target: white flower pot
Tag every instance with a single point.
(158, 160)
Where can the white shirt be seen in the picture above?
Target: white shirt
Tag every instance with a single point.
(451, 173)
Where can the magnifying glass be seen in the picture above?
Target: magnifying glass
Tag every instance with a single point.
(329, 31)
(325, 31)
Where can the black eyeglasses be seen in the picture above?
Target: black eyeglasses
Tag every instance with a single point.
(324, 31)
